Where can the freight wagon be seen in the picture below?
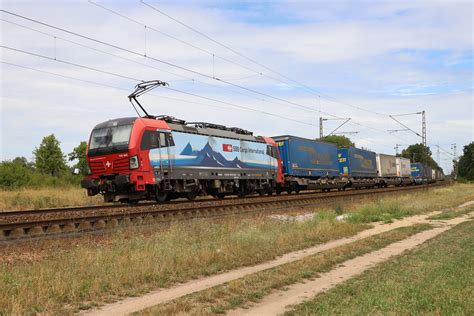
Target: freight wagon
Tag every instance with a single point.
(421, 174)
(437, 175)
(404, 170)
(387, 170)
(308, 164)
(358, 167)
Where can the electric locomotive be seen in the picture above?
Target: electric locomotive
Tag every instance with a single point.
(161, 158)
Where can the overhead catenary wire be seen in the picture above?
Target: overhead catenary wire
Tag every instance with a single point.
(318, 93)
(252, 60)
(114, 87)
(128, 90)
(168, 97)
(172, 37)
(141, 80)
(129, 59)
(166, 63)
(180, 67)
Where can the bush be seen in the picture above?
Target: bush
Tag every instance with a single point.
(15, 175)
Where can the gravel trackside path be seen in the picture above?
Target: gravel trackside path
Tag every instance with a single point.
(278, 302)
(135, 304)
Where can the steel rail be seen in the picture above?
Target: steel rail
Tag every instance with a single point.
(37, 228)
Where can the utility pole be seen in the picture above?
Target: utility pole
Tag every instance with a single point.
(321, 128)
(406, 128)
(437, 155)
(455, 152)
(423, 127)
(455, 160)
(396, 149)
(321, 119)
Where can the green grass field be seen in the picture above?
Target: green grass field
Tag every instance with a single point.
(136, 260)
(252, 288)
(434, 279)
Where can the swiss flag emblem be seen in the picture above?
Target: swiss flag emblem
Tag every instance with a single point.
(227, 147)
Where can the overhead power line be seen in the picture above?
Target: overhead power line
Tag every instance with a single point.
(308, 88)
(185, 69)
(141, 80)
(148, 27)
(166, 63)
(115, 87)
(128, 90)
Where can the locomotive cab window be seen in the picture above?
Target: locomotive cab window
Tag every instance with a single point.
(109, 139)
(272, 151)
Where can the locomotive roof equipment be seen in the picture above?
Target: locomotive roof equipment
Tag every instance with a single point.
(143, 88)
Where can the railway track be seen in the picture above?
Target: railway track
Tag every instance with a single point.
(21, 225)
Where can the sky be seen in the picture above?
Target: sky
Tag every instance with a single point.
(272, 67)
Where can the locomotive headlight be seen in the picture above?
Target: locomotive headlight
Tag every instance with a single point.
(134, 162)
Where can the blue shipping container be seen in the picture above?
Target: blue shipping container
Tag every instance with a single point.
(304, 157)
(357, 163)
(421, 172)
(417, 170)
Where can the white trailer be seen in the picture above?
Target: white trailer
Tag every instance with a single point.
(403, 167)
(386, 166)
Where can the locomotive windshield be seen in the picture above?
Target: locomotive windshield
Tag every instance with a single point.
(109, 139)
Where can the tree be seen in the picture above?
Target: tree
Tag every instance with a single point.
(79, 154)
(49, 158)
(339, 140)
(23, 162)
(420, 153)
(466, 163)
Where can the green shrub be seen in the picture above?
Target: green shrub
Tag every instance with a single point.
(14, 175)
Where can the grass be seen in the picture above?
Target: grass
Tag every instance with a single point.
(252, 288)
(46, 197)
(132, 264)
(452, 213)
(436, 278)
(387, 209)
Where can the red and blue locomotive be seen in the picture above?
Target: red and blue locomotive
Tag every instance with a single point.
(162, 158)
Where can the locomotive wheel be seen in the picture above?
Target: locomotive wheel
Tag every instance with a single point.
(161, 197)
(191, 195)
(132, 202)
(261, 192)
(219, 195)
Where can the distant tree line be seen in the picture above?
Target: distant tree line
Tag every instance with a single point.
(420, 153)
(49, 167)
(466, 163)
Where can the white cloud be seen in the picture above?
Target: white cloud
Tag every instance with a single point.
(374, 55)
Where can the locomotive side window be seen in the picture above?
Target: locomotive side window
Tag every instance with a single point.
(154, 139)
(272, 151)
(166, 140)
(149, 140)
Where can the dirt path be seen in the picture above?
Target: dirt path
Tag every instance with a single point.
(276, 303)
(466, 204)
(134, 304)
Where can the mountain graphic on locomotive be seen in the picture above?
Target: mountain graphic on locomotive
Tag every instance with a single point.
(162, 158)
